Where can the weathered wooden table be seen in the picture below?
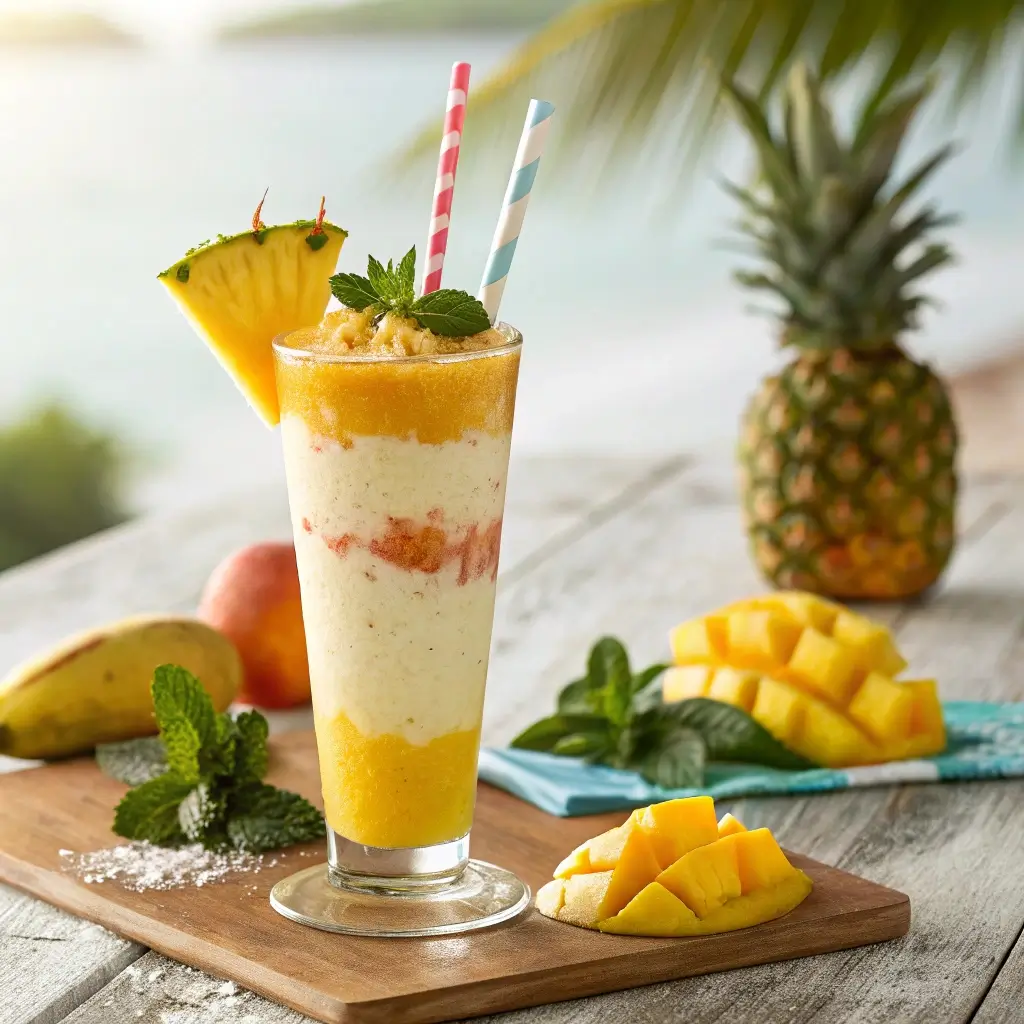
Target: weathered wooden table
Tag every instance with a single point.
(627, 547)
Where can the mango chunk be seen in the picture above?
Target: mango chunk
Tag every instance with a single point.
(700, 641)
(734, 686)
(760, 862)
(577, 863)
(759, 906)
(807, 609)
(675, 827)
(780, 707)
(823, 665)
(831, 739)
(872, 643)
(652, 911)
(760, 640)
(882, 708)
(729, 825)
(583, 899)
(604, 851)
(551, 897)
(927, 728)
(705, 878)
(725, 877)
(685, 681)
(819, 677)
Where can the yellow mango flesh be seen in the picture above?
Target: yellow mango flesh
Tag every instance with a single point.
(705, 878)
(686, 681)
(431, 788)
(726, 878)
(675, 827)
(729, 826)
(817, 676)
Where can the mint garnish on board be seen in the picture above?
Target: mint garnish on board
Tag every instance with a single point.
(613, 717)
(201, 780)
(448, 311)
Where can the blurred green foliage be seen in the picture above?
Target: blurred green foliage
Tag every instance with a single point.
(60, 480)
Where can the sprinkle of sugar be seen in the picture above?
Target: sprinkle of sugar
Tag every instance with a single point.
(141, 866)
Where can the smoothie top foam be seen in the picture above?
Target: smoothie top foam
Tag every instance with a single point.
(347, 378)
(360, 333)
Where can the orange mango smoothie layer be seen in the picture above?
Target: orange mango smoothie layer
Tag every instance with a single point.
(396, 380)
(385, 791)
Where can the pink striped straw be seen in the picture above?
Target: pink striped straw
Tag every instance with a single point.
(444, 188)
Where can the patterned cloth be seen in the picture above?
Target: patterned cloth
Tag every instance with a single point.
(986, 741)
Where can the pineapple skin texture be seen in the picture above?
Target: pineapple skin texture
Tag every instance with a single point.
(848, 475)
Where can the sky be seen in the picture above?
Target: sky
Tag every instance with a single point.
(167, 21)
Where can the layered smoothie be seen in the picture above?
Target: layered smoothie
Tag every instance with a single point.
(396, 445)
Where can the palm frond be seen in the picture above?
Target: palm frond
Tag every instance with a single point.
(635, 78)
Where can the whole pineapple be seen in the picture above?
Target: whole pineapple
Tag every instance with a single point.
(848, 455)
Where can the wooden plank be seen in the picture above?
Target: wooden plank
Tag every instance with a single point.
(162, 563)
(1002, 1002)
(35, 941)
(417, 981)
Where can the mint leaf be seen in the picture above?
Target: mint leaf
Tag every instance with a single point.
(580, 697)
(201, 816)
(178, 694)
(356, 292)
(583, 744)
(150, 811)
(677, 762)
(132, 761)
(450, 313)
(262, 818)
(404, 278)
(608, 668)
(543, 735)
(644, 679)
(251, 755)
(730, 734)
(181, 742)
(219, 758)
(381, 280)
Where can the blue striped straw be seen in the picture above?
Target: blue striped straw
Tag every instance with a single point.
(513, 209)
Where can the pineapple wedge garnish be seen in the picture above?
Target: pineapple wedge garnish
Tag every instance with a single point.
(241, 292)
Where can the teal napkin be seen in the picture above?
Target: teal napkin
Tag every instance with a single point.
(986, 741)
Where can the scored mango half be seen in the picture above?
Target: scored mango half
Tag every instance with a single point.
(817, 676)
(672, 870)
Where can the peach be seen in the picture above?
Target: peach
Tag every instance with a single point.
(252, 597)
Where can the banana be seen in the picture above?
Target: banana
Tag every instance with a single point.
(94, 686)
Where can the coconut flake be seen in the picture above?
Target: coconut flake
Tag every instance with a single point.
(141, 866)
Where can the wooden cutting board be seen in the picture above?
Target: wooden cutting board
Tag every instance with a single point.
(230, 930)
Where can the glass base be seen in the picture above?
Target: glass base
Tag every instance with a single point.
(483, 895)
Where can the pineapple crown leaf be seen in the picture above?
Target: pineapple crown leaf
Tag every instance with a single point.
(828, 219)
(447, 311)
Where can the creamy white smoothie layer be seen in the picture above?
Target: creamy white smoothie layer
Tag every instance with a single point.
(399, 650)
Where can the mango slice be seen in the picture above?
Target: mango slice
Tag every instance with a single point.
(673, 870)
(729, 825)
(675, 827)
(818, 676)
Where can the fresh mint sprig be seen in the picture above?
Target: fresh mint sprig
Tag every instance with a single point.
(612, 716)
(447, 311)
(201, 780)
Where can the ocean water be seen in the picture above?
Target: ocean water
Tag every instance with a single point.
(113, 164)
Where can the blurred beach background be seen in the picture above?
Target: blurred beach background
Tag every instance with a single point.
(133, 129)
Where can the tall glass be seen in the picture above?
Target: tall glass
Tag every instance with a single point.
(396, 471)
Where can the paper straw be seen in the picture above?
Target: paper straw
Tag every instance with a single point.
(444, 187)
(513, 209)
